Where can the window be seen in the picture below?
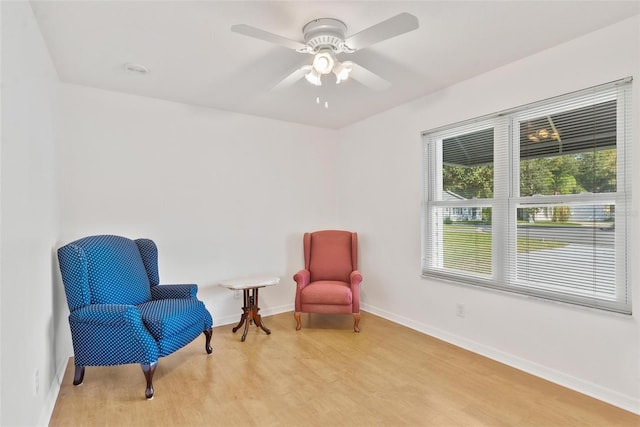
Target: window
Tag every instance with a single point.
(534, 200)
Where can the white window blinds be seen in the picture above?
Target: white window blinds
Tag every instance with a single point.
(534, 200)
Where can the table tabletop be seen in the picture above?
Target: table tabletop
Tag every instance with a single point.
(250, 282)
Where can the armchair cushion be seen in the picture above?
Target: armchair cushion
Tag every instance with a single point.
(167, 317)
(329, 292)
(115, 271)
(331, 258)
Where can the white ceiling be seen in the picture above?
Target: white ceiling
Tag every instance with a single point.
(194, 58)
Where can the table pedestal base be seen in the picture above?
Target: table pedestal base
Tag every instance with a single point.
(250, 313)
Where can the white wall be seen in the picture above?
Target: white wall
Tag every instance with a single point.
(28, 219)
(592, 351)
(223, 195)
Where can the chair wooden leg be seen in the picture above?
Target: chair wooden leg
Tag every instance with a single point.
(298, 323)
(149, 370)
(79, 375)
(356, 322)
(208, 333)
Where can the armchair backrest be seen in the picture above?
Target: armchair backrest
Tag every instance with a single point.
(331, 254)
(105, 270)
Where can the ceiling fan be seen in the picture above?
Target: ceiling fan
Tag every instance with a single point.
(324, 38)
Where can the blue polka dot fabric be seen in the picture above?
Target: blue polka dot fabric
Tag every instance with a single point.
(167, 317)
(149, 253)
(111, 334)
(119, 313)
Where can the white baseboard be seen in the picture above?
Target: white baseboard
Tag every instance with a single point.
(52, 395)
(598, 392)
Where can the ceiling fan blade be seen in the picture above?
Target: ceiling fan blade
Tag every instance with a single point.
(292, 78)
(399, 24)
(257, 33)
(366, 77)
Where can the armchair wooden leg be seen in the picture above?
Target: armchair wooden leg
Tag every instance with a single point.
(208, 333)
(149, 370)
(356, 322)
(298, 323)
(78, 377)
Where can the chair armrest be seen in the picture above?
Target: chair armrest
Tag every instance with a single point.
(174, 291)
(111, 334)
(106, 314)
(355, 278)
(302, 278)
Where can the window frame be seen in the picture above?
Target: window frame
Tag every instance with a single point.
(506, 198)
(433, 199)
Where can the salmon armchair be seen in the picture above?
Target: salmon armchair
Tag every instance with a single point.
(330, 280)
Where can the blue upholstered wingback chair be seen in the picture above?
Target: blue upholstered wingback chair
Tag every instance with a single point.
(119, 313)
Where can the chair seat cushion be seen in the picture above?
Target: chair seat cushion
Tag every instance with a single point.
(327, 292)
(168, 317)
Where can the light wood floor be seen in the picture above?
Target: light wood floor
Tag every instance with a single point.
(326, 375)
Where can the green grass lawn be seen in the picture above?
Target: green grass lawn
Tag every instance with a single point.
(469, 249)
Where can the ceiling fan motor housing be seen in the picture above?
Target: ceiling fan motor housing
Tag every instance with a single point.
(325, 33)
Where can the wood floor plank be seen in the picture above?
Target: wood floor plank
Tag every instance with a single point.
(326, 375)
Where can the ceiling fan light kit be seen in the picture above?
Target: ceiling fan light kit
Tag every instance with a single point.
(324, 61)
(324, 38)
(313, 77)
(342, 71)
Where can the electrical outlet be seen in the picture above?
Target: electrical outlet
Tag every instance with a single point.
(236, 293)
(460, 312)
(36, 379)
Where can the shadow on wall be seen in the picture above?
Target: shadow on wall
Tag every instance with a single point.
(61, 345)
